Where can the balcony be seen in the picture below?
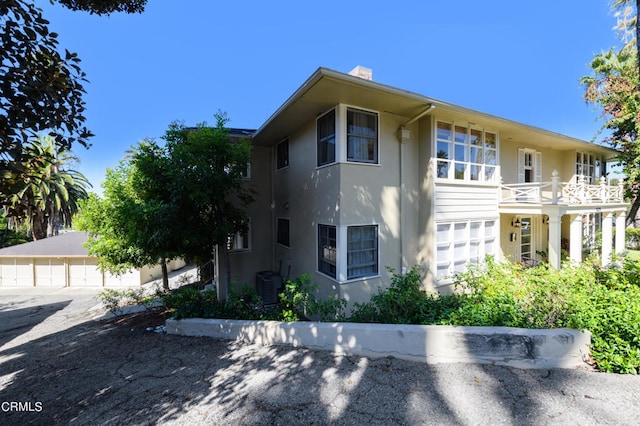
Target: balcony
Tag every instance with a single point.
(562, 193)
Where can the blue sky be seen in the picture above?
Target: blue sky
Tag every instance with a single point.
(185, 60)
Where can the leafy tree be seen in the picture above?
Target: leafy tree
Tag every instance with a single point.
(207, 186)
(614, 87)
(41, 88)
(44, 192)
(125, 230)
(180, 200)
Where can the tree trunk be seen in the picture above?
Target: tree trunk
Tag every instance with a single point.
(638, 33)
(165, 275)
(39, 227)
(631, 217)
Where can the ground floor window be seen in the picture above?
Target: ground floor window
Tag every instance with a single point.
(362, 251)
(462, 242)
(327, 250)
(348, 252)
(283, 231)
(240, 241)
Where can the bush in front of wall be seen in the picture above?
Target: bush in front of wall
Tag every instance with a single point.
(405, 302)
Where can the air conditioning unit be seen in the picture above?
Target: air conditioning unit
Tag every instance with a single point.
(268, 285)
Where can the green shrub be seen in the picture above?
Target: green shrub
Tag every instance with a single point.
(298, 302)
(404, 302)
(632, 236)
(115, 300)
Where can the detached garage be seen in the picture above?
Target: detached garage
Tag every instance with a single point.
(63, 261)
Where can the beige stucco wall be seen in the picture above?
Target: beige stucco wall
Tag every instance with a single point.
(245, 264)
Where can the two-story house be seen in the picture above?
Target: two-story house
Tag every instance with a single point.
(354, 176)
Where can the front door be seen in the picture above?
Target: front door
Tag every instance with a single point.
(527, 249)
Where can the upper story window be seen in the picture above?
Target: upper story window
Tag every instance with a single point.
(590, 166)
(466, 153)
(282, 154)
(327, 138)
(362, 136)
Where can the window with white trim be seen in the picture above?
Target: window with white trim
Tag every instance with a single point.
(362, 251)
(327, 250)
(326, 138)
(348, 252)
(465, 153)
(362, 136)
(461, 243)
(590, 166)
(240, 241)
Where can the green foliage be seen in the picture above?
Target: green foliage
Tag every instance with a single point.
(205, 179)
(404, 302)
(632, 236)
(298, 302)
(42, 193)
(116, 300)
(605, 301)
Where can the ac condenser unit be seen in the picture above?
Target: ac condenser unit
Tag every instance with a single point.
(268, 285)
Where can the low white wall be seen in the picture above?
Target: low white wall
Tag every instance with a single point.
(516, 347)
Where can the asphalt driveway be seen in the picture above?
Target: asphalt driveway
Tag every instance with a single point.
(58, 366)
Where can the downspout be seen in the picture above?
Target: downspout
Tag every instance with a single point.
(404, 135)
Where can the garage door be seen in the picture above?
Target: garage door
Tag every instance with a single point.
(128, 279)
(16, 273)
(84, 273)
(50, 273)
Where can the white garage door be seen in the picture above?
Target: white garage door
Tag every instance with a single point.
(128, 279)
(50, 273)
(84, 273)
(16, 273)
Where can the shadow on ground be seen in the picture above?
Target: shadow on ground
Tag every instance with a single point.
(99, 372)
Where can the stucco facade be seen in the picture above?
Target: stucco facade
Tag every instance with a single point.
(353, 177)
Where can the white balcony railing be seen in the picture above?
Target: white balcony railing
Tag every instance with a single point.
(569, 193)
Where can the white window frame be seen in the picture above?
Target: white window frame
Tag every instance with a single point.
(535, 167)
(375, 249)
(327, 249)
(454, 245)
(238, 239)
(375, 139)
(457, 156)
(342, 250)
(336, 130)
(590, 166)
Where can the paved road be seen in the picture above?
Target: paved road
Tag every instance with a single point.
(68, 369)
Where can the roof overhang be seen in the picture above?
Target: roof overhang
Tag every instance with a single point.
(326, 88)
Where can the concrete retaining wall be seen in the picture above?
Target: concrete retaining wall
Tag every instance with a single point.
(516, 347)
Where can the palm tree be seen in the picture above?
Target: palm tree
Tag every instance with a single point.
(42, 194)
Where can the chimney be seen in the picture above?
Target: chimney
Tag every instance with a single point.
(362, 72)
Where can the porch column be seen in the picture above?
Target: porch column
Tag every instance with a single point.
(607, 237)
(620, 231)
(575, 239)
(554, 241)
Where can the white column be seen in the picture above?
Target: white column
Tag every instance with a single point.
(554, 241)
(620, 232)
(575, 239)
(607, 237)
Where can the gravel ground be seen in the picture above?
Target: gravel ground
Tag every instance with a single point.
(58, 366)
